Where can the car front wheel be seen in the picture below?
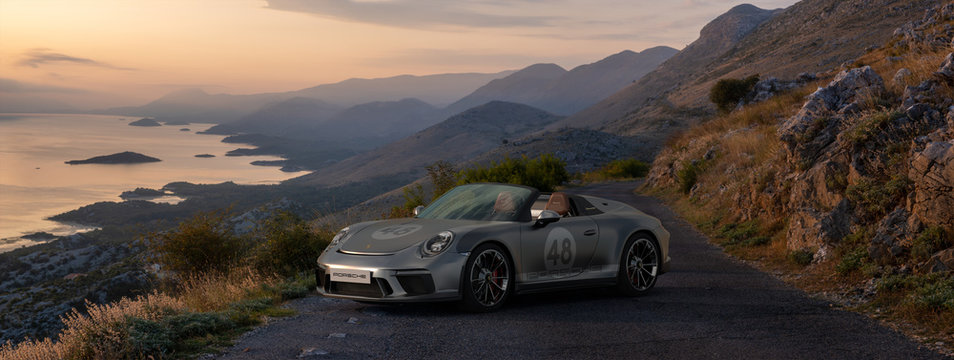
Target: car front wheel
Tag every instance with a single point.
(639, 265)
(488, 279)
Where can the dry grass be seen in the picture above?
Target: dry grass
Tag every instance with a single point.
(99, 334)
(213, 293)
(103, 332)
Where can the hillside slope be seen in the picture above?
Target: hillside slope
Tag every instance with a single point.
(808, 37)
(845, 188)
(458, 138)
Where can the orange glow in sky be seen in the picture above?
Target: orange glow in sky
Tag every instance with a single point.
(94, 53)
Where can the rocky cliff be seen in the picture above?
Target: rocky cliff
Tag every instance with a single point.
(863, 166)
(808, 37)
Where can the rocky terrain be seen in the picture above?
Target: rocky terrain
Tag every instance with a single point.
(856, 178)
(810, 36)
(41, 283)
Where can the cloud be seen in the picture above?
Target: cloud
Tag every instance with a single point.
(414, 13)
(36, 57)
(13, 86)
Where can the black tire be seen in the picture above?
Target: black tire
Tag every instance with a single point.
(639, 265)
(488, 279)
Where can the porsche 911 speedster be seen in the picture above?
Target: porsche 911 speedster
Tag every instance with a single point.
(481, 243)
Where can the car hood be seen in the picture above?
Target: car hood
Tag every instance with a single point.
(390, 236)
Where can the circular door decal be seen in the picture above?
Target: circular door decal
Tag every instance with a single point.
(395, 231)
(560, 250)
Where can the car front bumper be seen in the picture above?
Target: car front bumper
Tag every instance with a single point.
(405, 276)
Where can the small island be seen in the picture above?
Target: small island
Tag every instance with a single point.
(185, 129)
(145, 122)
(142, 194)
(126, 157)
(204, 156)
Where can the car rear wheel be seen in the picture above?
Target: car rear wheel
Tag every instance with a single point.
(488, 279)
(639, 266)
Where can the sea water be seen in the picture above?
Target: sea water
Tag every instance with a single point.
(35, 182)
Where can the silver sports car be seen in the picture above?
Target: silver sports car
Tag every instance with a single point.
(481, 243)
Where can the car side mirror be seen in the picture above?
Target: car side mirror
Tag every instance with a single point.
(546, 217)
(418, 209)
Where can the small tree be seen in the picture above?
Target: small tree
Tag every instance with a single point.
(289, 244)
(204, 242)
(726, 93)
(444, 177)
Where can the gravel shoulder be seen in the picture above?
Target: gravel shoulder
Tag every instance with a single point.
(708, 306)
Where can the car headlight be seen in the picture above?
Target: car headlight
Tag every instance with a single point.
(438, 243)
(338, 237)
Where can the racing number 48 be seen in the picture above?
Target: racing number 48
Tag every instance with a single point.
(561, 251)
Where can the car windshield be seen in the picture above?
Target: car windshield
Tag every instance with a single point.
(479, 202)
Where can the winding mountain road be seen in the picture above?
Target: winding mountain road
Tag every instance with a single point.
(709, 306)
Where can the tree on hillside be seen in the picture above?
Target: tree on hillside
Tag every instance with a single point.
(726, 93)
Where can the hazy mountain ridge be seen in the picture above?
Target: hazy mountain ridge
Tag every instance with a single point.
(714, 39)
(459, 138)
(195, 105)
(550, 87)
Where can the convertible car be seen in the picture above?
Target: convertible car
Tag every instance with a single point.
(481, 243)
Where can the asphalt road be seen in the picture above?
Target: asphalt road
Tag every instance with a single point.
(708, 307)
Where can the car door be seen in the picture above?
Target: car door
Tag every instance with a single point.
(559, 250)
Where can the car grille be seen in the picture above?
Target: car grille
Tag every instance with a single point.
(378, 288)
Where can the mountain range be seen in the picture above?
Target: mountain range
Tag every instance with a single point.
(551, 88)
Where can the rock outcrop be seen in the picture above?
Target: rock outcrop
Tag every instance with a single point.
(861, 166)
(932, 171)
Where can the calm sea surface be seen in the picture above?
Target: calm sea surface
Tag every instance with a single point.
(35, 183)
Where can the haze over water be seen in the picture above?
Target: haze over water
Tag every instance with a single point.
(35, 183)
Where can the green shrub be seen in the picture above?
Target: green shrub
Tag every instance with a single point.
(852, 260)
(199, 244)
(930, 241)
(873, 199)
(444, 177)
(290, 244)
(413, 197)
(870, 125)
(544, 173)
(726, 93)
(147, 337)
(688, 176)
(625, 168)
(744, 234)
(935, 295)
(191, 324)
(801, 257)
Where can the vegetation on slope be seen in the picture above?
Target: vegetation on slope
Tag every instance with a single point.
(215, 284)
(840, 229)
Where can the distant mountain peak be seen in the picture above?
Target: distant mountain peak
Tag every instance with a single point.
(734, 24)
(546, 71)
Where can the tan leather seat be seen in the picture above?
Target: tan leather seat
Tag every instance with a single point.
(559, 203)
(504, 203)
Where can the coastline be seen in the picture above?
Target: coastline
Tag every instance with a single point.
(57, 197)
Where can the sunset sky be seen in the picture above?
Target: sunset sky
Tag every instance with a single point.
(94, 53)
